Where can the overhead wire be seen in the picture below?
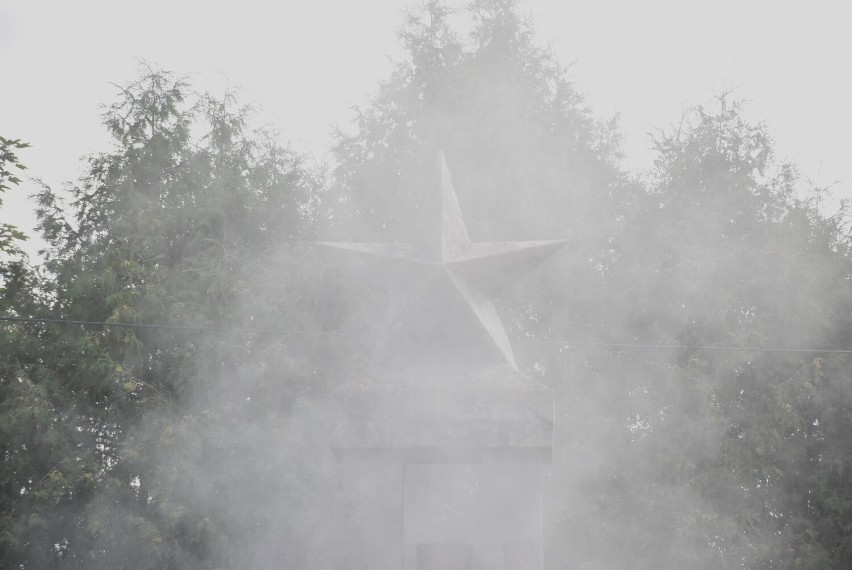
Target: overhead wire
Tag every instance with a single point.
(196, 328)
(559, 342)
(569, 344)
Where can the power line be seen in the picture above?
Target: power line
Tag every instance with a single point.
(564, 343)
(195, 328)
(569, 344)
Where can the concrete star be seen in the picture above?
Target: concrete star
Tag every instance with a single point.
(445, 307)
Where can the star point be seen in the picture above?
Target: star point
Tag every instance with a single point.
(448, 309)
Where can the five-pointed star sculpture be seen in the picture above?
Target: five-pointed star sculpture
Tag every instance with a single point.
(445, 308)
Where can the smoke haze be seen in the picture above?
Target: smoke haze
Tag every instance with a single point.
(692, 331)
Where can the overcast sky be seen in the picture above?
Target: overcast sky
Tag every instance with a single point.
(307, 62)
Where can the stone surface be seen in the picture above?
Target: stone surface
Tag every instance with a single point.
(445, 416)
(445, 284)
(442, 442)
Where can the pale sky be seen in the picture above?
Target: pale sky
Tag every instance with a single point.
(307, 62)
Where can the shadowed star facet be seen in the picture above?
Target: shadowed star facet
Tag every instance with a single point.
(443, 307)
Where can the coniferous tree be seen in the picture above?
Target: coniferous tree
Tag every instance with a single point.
(664, 458)
(117, 443)
(186, 448)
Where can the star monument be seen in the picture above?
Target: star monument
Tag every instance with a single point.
(443, 306)
(442, 441)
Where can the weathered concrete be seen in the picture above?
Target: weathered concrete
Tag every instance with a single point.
(445, 288)
(441, 444)
(447, 416)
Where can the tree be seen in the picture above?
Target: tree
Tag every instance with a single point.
(722, 458)
(115, 435)
(208, 446)
(35, 436)
(666, 458)
(9, 163)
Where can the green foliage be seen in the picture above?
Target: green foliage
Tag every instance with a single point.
(9, 163)
(167, 227)
(123, 445)
(507, 118)
(720, 459)
(686, 458)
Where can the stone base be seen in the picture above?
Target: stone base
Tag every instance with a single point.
(494, 506)
(445, 457)
(496, 408)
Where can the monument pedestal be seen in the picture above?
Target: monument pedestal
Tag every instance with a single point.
(446, 457)
(442, 446)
